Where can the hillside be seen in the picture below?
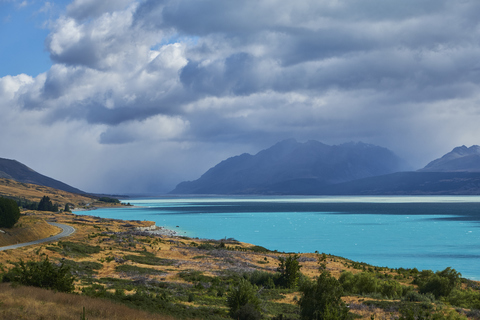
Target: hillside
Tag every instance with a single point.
(14, 170)
(33, 192)
(293, 167)
(124, 272)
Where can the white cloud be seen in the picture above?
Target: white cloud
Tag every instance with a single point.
(157, 128)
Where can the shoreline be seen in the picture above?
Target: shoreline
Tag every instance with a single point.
(152, 229)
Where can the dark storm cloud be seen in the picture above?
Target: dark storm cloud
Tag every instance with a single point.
(234, 75)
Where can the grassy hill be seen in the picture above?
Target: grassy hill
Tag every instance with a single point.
(124, 273)
(33, 192)
(32, 225)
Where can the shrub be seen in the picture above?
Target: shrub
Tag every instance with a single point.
(9, 213)
(321, 299)
(43, 274)
(367, 283)
(247, 312)
(414, 296)
(261, 278)
(239, 297)
(469, 298)
(74, 249)
(149, 259)
(440, 283)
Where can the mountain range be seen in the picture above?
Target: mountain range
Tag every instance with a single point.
(313, 168)
(14, 170)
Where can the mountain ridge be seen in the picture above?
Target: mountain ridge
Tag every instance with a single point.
(15, 170)
(460, 159)
(289, 160)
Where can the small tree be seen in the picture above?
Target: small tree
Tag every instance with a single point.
(289, 269)
(67, 208)
(9, 213)
(321, 299)
(243, 302)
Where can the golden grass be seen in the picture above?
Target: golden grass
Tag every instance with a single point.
(35, 303)
(27, 229)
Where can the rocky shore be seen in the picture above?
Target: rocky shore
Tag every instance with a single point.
(154, 229)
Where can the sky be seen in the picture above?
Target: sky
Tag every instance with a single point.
(135, 96)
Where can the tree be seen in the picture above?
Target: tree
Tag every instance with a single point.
(67, 208)
(289, 269)
(321, 299)
(47, 205)
(9, 213)
(243, 302)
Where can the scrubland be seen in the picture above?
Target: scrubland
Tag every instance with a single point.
(123, 273)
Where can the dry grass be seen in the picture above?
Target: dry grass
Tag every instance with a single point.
(27, 229)
(35, 303)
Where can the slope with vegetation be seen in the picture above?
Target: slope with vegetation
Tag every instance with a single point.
(154, 276)
(14, 170)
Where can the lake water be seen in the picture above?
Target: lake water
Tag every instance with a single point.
(426, 232)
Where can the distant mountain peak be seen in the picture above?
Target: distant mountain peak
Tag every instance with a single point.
(460, 159)
(290, 166)
(464, 150)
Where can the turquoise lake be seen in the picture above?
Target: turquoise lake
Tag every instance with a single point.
(426, 232)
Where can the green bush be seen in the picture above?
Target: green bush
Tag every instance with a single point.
(149, 259)
(439, 284)
(469, 299)
(134, 270)
(262, 278)
(414, 296)
(74, 249)
(9, 213)
(367, 283)
(83, 267)
(241, 296)
(43, 274)
(321, 299)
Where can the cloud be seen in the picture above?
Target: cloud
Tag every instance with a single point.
(210, 79)
(157, 128)
(83, 9)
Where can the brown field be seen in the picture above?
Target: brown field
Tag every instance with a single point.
(35, 303)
